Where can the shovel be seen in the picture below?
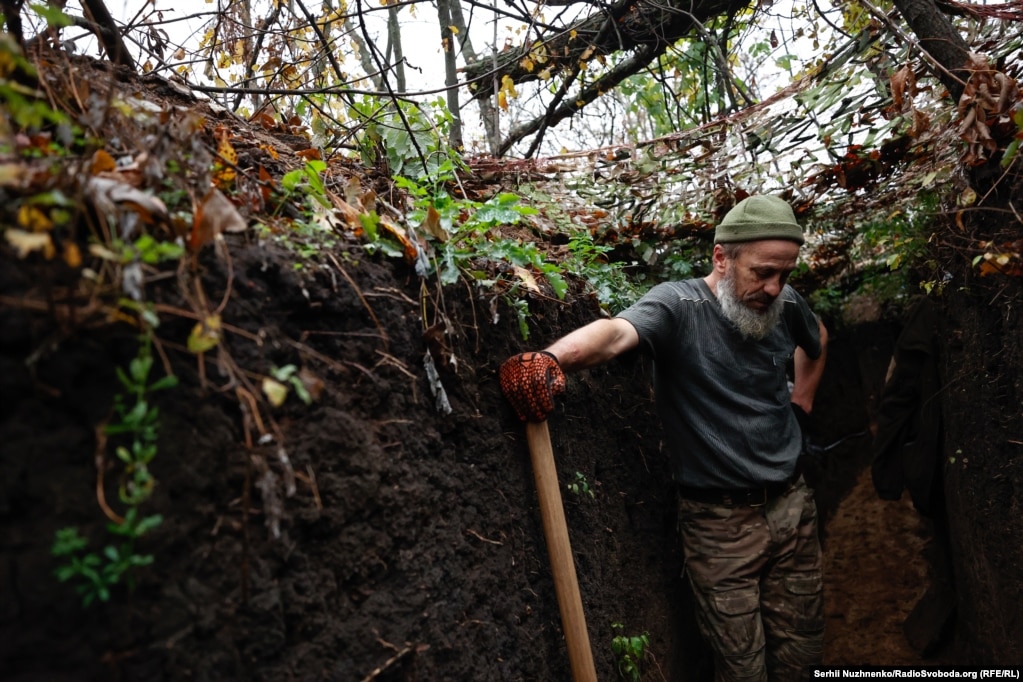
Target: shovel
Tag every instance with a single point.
(566, 586)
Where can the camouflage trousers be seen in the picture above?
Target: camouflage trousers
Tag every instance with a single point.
(756, 576)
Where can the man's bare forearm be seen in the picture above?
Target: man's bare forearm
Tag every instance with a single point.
(594, 344)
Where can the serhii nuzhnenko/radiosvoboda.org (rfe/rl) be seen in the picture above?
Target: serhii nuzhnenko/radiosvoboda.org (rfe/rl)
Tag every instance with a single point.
(839, 673)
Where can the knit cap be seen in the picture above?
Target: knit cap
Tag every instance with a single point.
(759, 217)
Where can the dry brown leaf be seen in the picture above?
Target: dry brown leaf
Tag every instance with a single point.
(215, 215)
(102, 162)
(527, 278)
(109, 195)
(349, 213)
(901, 86)
(410, 250)
(313, 383)
(353, 190)
(432, 225)
(369, 201)
(266, 184)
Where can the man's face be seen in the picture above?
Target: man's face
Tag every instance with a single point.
(759, 272)
(751, 283)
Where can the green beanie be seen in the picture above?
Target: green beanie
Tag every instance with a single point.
(759, 217)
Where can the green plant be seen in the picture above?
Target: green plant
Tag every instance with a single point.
(407, 139)
(138, 421)
(98, 574)
(276, 385)
(629, 651)
(580, 486)
(307, 179)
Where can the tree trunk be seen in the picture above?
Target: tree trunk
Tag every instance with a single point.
(624, 26)
(450, 71)
(939, 38)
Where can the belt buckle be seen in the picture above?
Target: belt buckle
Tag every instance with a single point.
(761, 500)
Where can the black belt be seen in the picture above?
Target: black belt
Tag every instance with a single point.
(739, 497)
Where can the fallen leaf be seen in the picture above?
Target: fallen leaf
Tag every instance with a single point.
(109, 196)
(275, 391)
(34, 219)
(27, 242)
(313, 384)
(527, 278)
(72, 255)
(102, 162)
(432, 225)
(223, 168)
(410, 250)
(215, 215)
(205, 335)
(11, 174)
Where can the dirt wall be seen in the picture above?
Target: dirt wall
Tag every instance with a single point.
(983, 467)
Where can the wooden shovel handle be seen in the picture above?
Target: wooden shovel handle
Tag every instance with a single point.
(566, 586)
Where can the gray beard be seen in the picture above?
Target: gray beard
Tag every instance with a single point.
(749, 322)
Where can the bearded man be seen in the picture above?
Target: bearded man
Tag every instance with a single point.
(722, 347)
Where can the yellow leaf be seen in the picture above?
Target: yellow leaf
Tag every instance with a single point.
(502, 100)
(34, 219)
(545, 75)
(205, 335)
(269, 149)
(453, 29)
(223, 168)
(275, 391)
(527, 64)
(508, 86)
(72, 255)
(572, 34)
(27, 242)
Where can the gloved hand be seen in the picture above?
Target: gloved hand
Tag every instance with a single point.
(530, 381)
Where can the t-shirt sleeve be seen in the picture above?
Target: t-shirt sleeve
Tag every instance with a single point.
(803, 324)
(654, 316)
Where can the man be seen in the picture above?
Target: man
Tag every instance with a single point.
(721, 347)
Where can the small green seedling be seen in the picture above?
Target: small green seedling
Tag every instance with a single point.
(580, 486)
(629, 651)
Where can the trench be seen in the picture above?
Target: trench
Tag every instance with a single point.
(881, 557)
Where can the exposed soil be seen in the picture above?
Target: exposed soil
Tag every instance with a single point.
(410, 547)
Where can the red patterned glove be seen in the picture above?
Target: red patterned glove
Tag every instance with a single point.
(530, 381)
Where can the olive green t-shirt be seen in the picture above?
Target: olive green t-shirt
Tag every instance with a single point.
(724, 399)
